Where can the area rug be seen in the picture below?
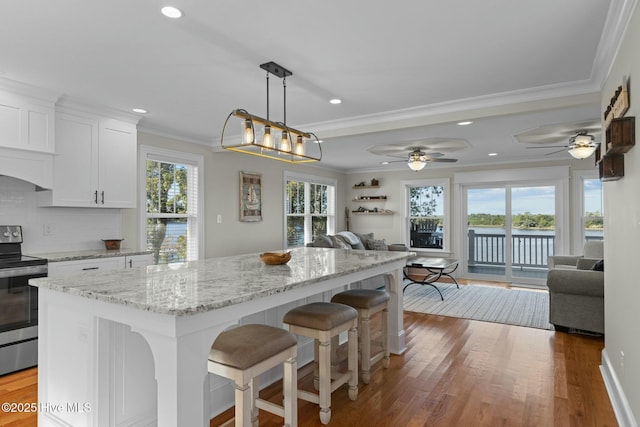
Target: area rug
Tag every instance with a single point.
(490, 304)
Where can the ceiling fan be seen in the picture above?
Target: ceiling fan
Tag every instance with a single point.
(416, 154)
(581, 145)
(418, 159)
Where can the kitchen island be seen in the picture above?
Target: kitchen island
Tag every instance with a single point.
(178, 309)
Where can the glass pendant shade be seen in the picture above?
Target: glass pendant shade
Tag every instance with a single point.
(267, 140)
(248, 135)
(299, 150)
(285, 143)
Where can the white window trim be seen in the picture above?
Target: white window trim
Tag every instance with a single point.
(445, 183)
(332, 204)
(148, 152)
(578, 234)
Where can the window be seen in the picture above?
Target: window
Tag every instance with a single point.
(172, 223)
(309, 208)
(593, 211)
(426, 214)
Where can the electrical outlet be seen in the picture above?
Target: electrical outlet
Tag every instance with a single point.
(219, 219)
(47, 230)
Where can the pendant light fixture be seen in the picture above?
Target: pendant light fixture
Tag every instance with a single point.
(283, 149)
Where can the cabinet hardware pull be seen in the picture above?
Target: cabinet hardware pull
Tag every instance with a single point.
(96, 196)
(130, 263)
(90, 268)
(103, 197)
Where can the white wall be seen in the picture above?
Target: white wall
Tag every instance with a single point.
(390, 227)
(622, 243)
(222, 182)
(70, 228)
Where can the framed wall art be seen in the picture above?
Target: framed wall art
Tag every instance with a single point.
(250, 197)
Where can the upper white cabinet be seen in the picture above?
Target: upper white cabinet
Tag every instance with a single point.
(95, 165)
(27, 122)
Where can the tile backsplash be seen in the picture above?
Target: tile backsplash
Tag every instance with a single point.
(55, 229)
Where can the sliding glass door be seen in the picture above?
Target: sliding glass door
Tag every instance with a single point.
(511, 230)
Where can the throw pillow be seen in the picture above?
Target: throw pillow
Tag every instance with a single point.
(598, 266)
(363, 238)
(322, 241)
(377, 245)
(339, 243)
(353, 240)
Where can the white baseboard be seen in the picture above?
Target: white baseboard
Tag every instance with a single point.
(621, 406)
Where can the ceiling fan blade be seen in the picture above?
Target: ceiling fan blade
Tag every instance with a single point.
(443, 160)
(554, 152)
(551, 146)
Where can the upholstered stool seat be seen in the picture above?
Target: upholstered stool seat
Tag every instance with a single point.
(322, 321)
(368, 302)
(243, 353)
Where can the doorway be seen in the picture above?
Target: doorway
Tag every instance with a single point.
(510, 231)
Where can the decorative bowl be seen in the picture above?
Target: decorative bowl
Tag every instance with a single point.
(112, 244)
(273, 258)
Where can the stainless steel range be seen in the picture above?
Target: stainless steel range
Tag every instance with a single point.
(18, 302)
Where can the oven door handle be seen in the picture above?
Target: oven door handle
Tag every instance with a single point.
(23, 271)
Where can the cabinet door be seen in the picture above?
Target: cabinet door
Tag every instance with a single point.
(67, 268)
(117, 161)
(133, 261)
(26, 123)
(74, 180)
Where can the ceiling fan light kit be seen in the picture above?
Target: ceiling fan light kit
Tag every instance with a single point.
(417, 160)
(282, 150)
(582, 146)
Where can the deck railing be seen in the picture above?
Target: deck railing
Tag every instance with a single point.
(527, 250)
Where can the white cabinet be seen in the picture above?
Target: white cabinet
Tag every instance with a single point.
(134, 261)
(128, 371)
(66, 268)
(95, 165)
(26, 122)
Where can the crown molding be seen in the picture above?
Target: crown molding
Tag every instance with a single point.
(533, 99)
(618, 18)
(25, 89)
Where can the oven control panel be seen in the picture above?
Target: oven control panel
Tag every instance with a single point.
(10, 234)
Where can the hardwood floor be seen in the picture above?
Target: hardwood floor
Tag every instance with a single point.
(455, 372)
(460, 372)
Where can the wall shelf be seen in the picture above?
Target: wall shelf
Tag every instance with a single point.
(620, 138)
(371, 199)
(364, 187)
(372, 213)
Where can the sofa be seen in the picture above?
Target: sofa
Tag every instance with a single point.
(366, 241)
(593, 249)
(576, 292)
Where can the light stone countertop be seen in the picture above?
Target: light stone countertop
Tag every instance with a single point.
(199, 286)
(88, 254)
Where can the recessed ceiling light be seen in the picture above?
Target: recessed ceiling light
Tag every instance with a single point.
(171, 12)
(139, 110)
(465, 123)
(335, 101)
(493, 154)
(384, 163)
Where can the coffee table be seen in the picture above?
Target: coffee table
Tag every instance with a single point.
(427, 271)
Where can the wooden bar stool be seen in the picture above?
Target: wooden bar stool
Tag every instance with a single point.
(368, 302)
(322, 321)
(243, 353)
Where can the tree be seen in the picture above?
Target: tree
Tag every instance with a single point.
(166, 194)
(424, 200)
